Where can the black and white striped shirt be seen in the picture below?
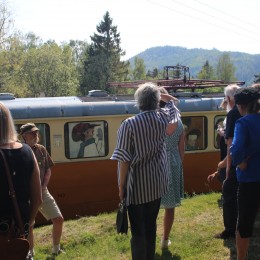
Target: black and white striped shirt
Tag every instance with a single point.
(140, 141)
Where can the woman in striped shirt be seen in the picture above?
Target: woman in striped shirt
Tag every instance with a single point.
(142, 167)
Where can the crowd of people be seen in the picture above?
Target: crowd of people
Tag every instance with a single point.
(30, 167)
(239, 168)
(150, 174)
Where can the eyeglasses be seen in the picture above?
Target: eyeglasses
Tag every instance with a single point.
(33, 132)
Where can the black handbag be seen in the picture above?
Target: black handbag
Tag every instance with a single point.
(122, 218)
(13, 244)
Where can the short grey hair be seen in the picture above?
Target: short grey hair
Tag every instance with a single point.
(8, 133)
(147, 97)
(230, 91)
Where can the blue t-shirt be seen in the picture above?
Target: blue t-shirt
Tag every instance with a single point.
(246, 145)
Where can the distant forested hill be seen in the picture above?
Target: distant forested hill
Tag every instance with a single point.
(247, 65)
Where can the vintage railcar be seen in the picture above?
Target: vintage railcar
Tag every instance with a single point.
(85, 183)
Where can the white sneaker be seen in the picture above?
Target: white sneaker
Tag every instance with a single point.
(59, 252)
(29, 256)
(165, 243)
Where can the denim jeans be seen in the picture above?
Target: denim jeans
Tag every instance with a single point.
(142, 219)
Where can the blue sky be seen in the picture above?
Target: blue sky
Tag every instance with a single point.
(227, 25)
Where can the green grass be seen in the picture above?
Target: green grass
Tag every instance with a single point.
(196, 222)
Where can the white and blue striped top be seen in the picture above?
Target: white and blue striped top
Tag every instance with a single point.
(140, 141)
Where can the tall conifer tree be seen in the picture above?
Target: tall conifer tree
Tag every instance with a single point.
(207, 71)
(103, 62)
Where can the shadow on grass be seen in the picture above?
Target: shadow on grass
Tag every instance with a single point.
(231, 244)
(220, 202)
(254, 246)
(167, 254)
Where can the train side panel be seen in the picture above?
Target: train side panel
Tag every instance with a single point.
(88, 185)
(85, 188)
(196, 168)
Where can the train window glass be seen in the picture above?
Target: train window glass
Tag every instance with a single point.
(195, 132)
(219, 126)
(86, 139)
(44, 134)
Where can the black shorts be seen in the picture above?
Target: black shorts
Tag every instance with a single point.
(248, 207)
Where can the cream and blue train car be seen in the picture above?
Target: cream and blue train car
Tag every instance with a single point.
(85, 183)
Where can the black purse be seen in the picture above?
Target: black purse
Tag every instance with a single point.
(13, 244)
(122, 218)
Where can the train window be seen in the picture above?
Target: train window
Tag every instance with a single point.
(44, 135)
(219, 125)
(86, 139)
(195, 132)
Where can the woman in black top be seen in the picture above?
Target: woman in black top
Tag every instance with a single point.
(24, 172)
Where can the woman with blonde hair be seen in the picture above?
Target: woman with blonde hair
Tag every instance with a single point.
(24, 172)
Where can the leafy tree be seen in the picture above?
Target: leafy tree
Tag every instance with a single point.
(154, 74)
(79, 49)
(225, 68)
(50, 70)
(207, 72)
(80, 55)
(149, 74)
(103, 62)
(6, 22)
(31, 40)
(12, 77)
(139, 69)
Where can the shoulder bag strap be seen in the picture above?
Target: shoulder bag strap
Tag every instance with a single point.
(12, 194)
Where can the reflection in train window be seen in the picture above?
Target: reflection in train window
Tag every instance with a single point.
(195, 132)
(44, 134)
(219, 123)
(86, 139)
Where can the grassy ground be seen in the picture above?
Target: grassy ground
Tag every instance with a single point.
(197, 220)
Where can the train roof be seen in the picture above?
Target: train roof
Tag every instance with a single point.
(54, 107)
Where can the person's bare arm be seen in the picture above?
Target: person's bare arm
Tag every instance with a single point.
(213, 176)
(35, 193)
(243, 165)
(223, 164)
(166, 97)
(123, 168)
(46, 179)
(229, 158)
